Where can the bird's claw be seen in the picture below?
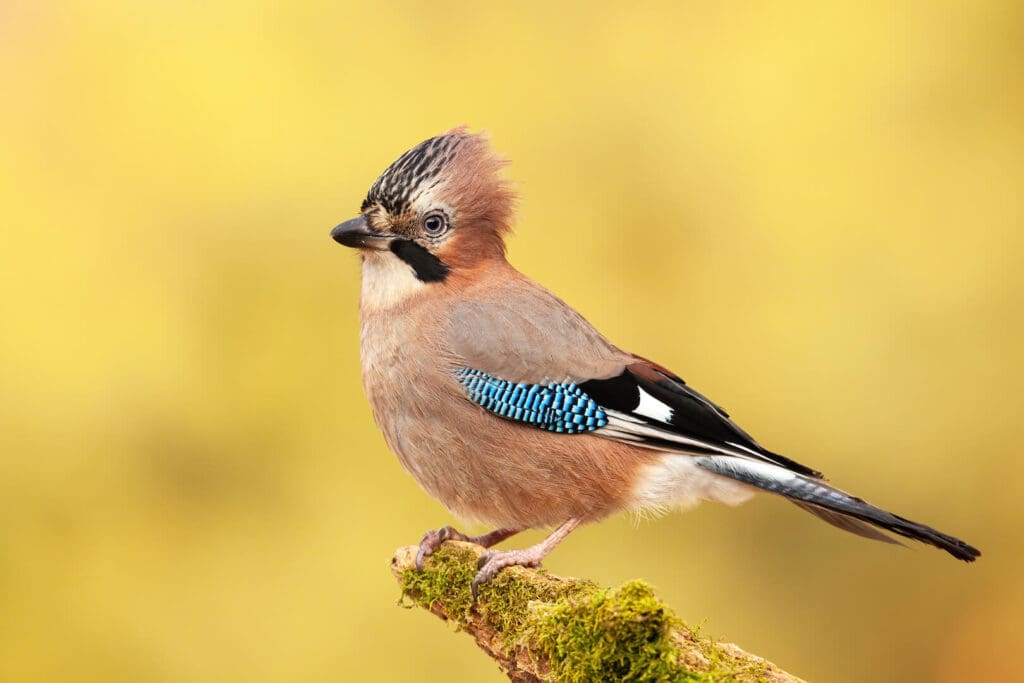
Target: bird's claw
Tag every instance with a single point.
(433, 539)
(493, 561)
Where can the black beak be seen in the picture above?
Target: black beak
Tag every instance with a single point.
(356, 233)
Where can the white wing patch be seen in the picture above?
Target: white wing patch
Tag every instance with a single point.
(653, 408)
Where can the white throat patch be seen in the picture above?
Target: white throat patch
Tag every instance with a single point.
(387, 281)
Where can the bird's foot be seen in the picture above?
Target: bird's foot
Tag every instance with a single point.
(433, 539)
(493, 561)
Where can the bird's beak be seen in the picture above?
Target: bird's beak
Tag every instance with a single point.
(356, 233)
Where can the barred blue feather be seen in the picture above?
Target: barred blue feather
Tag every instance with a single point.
(560, 407)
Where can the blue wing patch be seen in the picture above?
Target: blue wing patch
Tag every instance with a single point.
(558, 407)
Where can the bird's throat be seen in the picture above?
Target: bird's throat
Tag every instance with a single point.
(391, 278)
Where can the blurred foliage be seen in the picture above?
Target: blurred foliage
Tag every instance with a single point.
(813, 212)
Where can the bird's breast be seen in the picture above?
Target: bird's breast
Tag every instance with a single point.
(408, 389)
(478, 464)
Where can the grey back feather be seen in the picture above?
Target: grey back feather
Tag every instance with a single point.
(521, 332)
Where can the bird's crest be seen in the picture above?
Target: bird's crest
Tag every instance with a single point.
(458, 168)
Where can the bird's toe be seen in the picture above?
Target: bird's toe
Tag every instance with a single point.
(493, 561)
(430, 542)
(433, 539)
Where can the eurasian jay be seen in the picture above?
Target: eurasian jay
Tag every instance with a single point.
(509, 407)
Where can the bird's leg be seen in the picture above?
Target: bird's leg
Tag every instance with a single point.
(433, 539)
(493, 561)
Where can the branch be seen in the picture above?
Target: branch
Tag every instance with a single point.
(542, 627)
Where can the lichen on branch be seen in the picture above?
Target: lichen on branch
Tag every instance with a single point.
(542, 627)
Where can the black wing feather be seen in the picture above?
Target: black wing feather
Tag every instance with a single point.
(693, 416)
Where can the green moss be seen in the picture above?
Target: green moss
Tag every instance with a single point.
(730, 667)
(622, 634)
(511, 600)
(581, 631)
(446, 584)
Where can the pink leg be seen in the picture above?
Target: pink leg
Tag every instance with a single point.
(433, 539)
(493, 561)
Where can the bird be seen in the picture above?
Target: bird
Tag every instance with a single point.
(511, 409)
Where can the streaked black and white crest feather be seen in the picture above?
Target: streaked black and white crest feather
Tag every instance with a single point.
(417, 171)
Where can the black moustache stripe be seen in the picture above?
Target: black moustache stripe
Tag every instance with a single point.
(428, 268)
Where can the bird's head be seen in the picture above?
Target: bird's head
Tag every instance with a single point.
(441, 208)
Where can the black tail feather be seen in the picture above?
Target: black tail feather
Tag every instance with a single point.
(919, 532)
(834, 506)
(846, 523)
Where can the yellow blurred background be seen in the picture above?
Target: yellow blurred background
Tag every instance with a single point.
(811, 212)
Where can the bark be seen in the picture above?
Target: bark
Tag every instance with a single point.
(542, 627)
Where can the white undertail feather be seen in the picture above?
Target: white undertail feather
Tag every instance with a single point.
(676, 482)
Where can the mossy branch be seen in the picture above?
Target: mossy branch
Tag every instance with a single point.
(542, 627)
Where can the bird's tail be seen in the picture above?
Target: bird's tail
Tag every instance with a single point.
(832, 505)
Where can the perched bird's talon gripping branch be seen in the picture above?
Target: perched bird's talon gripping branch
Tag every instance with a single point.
(509, 407)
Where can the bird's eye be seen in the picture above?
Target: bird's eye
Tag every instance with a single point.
(435, 224)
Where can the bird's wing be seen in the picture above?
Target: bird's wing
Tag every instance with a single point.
(534, 360)
(652, 407)
(527, 356)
